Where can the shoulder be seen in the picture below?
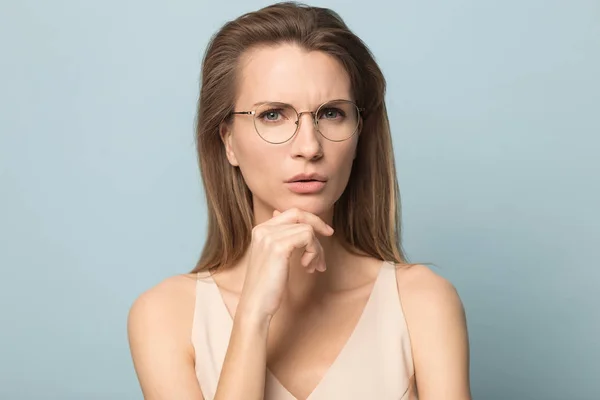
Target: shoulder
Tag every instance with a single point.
(429, 301)
(165, 310)
(437, 328)
(159, 328)
(420, 286)
(172, 294)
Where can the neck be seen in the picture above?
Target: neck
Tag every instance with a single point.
(304, 287)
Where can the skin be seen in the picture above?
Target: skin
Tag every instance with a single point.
(276, 300)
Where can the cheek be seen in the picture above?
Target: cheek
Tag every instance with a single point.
(255, 158)
(344, 153)
(246, 144)
(342, 158)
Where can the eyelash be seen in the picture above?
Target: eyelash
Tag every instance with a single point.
(337, 110)
(279, 112)
(273, 110)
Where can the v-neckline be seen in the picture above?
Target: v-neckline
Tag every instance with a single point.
(342, 351)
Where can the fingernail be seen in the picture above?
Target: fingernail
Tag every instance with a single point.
(330, 229)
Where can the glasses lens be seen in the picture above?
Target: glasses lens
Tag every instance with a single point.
(275, 122)
(338, 120)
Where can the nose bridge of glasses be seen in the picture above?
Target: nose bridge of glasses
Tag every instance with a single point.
(312, 117)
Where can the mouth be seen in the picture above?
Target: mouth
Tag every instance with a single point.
(306, 183)
(307, 178)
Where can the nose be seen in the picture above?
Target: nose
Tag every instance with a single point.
(307, 141)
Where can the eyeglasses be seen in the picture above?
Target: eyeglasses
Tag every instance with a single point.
(276, 123)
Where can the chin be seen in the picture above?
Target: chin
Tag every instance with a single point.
(312, 204)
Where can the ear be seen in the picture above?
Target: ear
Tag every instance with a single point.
(226, 136)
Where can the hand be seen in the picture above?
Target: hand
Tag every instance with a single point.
(271, 248)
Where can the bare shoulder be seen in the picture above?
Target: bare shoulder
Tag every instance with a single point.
(430, 301)
(173, 298)
(419, 285)
(163, 312)
(437, 326)
(159, 328)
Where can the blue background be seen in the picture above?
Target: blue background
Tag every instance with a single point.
(494, 107)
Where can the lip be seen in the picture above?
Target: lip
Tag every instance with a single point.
(307, 177)
(308, 187)
(306, 183)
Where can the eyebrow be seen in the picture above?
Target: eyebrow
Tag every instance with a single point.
(260, 103)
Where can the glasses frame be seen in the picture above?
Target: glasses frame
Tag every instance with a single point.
(299, 115)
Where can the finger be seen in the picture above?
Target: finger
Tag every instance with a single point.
(300, 236)
(314, 260)
(311, 260)
(295, 215)
(308, 258)
(276, 213)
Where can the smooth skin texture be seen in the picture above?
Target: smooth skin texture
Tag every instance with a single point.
(280, 291)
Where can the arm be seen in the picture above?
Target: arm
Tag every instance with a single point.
(159, 328)
(244, 367)
(160, 321)
(437, 326)
(266, 277)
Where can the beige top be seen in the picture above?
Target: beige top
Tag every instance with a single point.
(375, 363)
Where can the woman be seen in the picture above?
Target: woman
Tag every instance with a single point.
(302, 290)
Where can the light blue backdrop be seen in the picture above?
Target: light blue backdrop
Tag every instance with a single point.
(495, 108)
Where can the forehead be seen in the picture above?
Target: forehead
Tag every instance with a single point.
(287, 73)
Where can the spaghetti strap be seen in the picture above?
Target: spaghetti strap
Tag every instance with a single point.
(375, 362)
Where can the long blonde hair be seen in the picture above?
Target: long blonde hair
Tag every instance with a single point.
(367, 215)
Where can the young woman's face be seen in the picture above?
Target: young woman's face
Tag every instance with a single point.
(258, 144)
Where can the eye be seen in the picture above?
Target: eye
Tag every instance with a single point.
(270, 115)
(331, 113)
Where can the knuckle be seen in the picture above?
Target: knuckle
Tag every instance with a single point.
(308, 229)
(278, 248)
(309, 237)
(266, 240)
(295, 212)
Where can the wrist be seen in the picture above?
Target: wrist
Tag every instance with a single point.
(252, 319)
